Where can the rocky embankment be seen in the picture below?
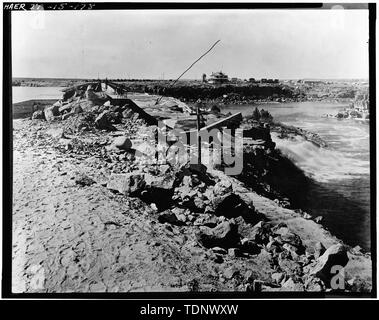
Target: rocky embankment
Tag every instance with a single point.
(90, 216)
(289, 132)
(191, 91)
(265, 169)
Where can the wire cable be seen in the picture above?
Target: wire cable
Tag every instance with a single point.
(204, 54)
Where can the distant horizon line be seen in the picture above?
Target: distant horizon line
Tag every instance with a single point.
(131, 78)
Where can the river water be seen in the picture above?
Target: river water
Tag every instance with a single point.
(20, 94)
(340, 174)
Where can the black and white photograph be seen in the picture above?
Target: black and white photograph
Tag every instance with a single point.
(190, 150)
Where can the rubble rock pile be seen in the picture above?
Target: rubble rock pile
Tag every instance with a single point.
(230, 227)
(190, 218)
(88, 110)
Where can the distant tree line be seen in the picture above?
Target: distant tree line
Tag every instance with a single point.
(189, 92)
(134, 80)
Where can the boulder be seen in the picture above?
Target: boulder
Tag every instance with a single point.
(190, 193)
(249, 246)
(277, 277)
(51, 112)
(69, 94)
(291, 285)
(170, 217)
(318, 219)
(103, 123)
(117, 109)
(190, 181)
(160, 190)
(358, 284)
(89, 106)
(357, 250)
(224, 235)
(180, 211)
(145, 151)
(127, 183)
(67, 115)
(77, 109)
(207, 220)
(291, 249)
(39, 114)
(230, 205)
(273, 247)
(234, 252)
(222, 187)
(127, 113)
(217, 258)
(164, 168)
(288, 265)
(160, 182)
(193, 202)
(199, 204)
(250, 276)
(261, 233)
(255, 286)
(319, 250)
(57, 103)
(135, 117)
(230, 273)
(195, 168)
(286, 236)
(219, 250)
(83, 180)
(114, 117)
(199, 170)
(65, 107)
(97, 98)
(313, 284)
(123, 143)
(336, 255)
(307, 216)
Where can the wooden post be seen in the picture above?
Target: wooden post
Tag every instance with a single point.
(198, 134)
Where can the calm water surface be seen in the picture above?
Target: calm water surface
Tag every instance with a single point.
(28, 93)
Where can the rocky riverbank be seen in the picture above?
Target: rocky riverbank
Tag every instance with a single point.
(290, 132)
(91, 216)
(191, 91)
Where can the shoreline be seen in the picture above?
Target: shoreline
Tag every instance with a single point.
(286, 131)
(231, 93)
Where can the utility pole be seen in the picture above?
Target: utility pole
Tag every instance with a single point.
(198, 134)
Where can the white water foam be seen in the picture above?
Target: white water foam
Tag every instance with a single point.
(321, 164)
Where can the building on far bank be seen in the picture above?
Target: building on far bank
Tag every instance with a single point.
(313, 81)
(264, 80)
(218, 78)
(236, 80)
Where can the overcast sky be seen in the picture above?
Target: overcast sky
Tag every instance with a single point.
(147, 44)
